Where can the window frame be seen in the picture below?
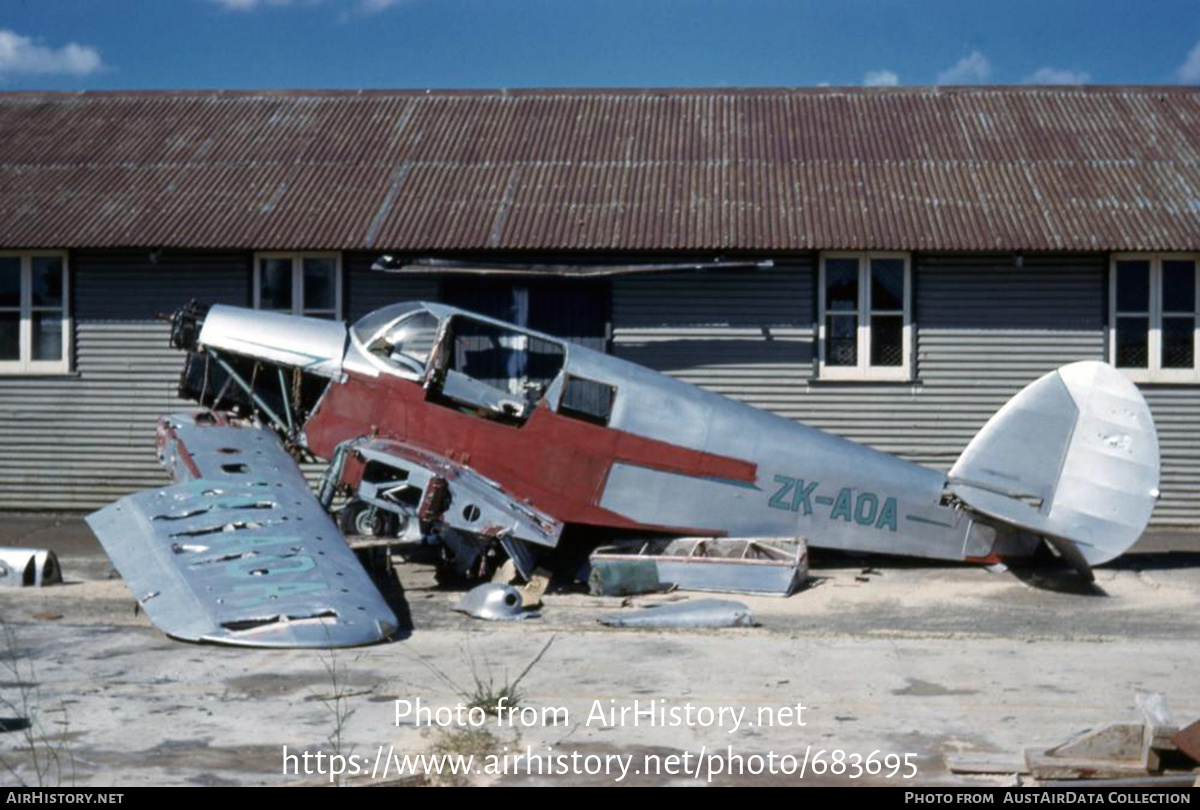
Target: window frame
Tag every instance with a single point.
(25, 365)
(394, 368)
(864, 370)
(297, 257)
(1153, 372)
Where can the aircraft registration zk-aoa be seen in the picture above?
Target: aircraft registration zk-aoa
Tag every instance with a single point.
(456, 429)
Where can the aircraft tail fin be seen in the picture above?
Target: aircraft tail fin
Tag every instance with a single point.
(1073, 457)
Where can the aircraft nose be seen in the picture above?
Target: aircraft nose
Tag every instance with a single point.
(186, 323)
(313, 345)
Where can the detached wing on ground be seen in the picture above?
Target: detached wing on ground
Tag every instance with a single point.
(239, 552)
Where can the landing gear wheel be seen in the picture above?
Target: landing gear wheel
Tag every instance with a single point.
(360, 518)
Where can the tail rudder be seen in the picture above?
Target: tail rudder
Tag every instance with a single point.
(1072, 457)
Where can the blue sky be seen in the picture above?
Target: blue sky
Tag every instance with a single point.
(229, 44)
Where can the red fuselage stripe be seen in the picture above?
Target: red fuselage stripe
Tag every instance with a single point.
(553, 462)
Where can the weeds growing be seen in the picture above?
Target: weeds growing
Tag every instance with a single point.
(48, 754)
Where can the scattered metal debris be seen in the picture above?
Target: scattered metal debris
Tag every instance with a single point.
(1113, 753)
(494, 602)
(24, 567)
(770, 566)
(697, 615)
(1110, 751)
(531, 590)
(622, 574)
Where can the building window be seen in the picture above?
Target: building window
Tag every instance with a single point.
(299, 283)
(865, 316)
(1153, 302)
(35, 323)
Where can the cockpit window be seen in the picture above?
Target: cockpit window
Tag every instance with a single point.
(367, 327)
(511, 361)
(407, 343)
(494, 371)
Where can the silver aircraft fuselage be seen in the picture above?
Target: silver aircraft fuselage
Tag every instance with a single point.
(670, 457)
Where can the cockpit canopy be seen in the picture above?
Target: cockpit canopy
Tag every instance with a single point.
(483, 366)
(401, 335)
(368, 327)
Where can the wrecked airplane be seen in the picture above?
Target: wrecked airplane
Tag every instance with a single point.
(491, 440)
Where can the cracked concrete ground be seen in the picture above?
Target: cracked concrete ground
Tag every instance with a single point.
(913, 658)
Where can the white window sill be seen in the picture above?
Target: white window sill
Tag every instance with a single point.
(1178, 377)
(896, 375)
(28, 370)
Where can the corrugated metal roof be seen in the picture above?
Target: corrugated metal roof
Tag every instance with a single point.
(1098, 168)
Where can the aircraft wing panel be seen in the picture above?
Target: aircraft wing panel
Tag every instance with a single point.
(245, 557)
(207, 446)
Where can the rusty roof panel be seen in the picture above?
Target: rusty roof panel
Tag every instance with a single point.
(1098, 168)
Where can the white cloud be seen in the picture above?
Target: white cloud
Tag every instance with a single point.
(361, 6)
(20, 54)
(1189, 71)
(1049, 75)
(373, 6)
(973, 68)
(250, 5)
(880, 78)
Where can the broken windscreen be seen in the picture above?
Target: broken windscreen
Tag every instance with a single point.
(367, 327)
(406, 343)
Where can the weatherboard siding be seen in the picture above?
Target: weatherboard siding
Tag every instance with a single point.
(78, 441)
(985, 328)
(366, 290)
